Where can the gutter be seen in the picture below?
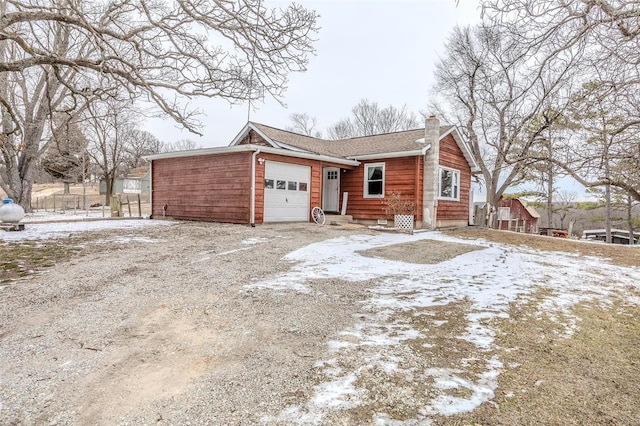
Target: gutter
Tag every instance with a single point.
(251, 147)
(150, 189)
(380, 156)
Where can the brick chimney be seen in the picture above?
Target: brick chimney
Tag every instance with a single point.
(431, 173)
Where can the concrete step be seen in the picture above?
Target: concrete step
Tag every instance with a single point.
(338, 219)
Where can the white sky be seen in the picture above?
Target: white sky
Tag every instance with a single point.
(382, 50)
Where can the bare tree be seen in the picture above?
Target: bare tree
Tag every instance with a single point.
(563, 206)
(181, 145)
(63, 54)
(66, 157)
(138, 143)
(367, 118)
(110, 125)
(607, 33)
(304, 124)
(503, 93)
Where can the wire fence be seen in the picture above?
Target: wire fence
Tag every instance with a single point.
(124, 205)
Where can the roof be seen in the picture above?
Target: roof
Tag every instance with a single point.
(386, 145)
(617, 232)
(346, 151)
(404, 141)
(532, 210)
(138, 172)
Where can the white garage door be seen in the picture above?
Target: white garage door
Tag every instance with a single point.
(286, 192)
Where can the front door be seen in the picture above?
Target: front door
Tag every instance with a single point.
(330, 189)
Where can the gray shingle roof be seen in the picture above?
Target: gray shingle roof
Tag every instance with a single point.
(366, 145)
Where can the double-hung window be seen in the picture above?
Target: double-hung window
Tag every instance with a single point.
(374, 180)
(449, 187)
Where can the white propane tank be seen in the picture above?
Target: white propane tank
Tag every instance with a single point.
(10, 212)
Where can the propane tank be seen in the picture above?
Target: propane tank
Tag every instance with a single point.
(10, 212)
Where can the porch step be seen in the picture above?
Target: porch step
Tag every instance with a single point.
(338, 219)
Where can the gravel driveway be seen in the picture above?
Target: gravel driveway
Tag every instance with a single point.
(154, 326)
(200, 323)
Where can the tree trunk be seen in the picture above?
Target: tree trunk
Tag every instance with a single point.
(66, 188)
(630, 219)
(607, 213)
(108, 180)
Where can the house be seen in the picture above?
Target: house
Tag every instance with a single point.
(135, 182)
(516, 215)
(271, 175)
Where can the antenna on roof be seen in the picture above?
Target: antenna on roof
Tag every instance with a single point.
(253, 59)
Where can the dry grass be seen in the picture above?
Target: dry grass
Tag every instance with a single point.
(425, 251)
(618, 254)
(589, 378)
(18, 260)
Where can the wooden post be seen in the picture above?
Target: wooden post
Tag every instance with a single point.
(139, 207)
(129, 206)
(345, 198)
(54, 203)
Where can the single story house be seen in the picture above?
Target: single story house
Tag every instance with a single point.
(515, 214)
(272, 175)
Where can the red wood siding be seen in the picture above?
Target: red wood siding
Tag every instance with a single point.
(451, 156)
(520, 216)
(254, 139)
(401, 175)
(315, 186)
(212, 188)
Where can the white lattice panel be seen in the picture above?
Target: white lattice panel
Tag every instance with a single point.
(402, 221)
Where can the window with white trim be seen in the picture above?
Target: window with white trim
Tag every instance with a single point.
(374, 180)
(449, 187)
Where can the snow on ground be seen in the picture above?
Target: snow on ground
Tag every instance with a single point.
(66, 216)
(488, 280)
(66, 225)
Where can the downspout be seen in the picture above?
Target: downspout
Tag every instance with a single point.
(150, 190)
(252, 206)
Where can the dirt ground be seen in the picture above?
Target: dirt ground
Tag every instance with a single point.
(157, 326)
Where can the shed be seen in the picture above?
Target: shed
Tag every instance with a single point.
(515, 214)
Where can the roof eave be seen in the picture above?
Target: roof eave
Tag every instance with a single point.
(250, 147)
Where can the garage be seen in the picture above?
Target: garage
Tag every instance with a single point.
(286, 192)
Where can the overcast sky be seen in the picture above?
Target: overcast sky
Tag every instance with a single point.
(382, 50)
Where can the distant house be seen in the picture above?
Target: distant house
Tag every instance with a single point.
(135, 182)
(515, 214)
(272, 175)
(618, 236)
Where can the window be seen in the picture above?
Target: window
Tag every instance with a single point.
(303, 186)
(268, 183)
(449, 184)
(292, 186)
(281, 184)
(374, 180)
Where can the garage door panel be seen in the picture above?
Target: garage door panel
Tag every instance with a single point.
(286, 194)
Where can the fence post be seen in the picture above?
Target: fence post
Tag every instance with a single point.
(139, 207)
(54, 203)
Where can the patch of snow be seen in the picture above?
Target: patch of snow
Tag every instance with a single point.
(47, 231)
(254, 240)
(224, 253)
(487, 281)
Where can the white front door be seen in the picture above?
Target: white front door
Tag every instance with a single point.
(330, 189)
(286, 192)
